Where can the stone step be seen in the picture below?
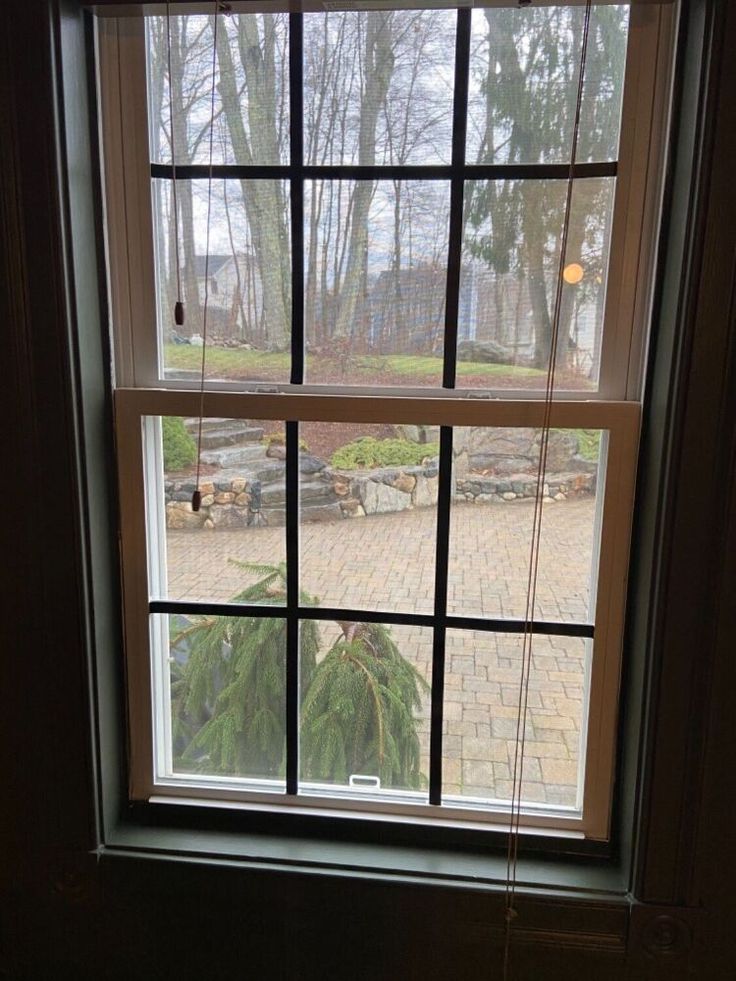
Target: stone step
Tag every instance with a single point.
(220, 424)
(310, 492)
(215, 438)
(248, 455)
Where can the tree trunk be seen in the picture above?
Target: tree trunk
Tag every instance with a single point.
(379, 62)
(264, 205)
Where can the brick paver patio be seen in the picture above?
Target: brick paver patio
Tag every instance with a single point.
(387, 562)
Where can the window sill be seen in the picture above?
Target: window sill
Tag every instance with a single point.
(563, 876)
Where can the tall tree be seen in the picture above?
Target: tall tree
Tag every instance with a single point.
(378, 63)
(529, 89)
(254, 38)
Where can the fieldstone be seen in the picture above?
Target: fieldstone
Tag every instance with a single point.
(224, 497)
(231, 457)
(310, 464)
(207, 500)
(582, 465)
(223, 516)
(509, 496)
(242, 500)
(209, 524)
(270, 517)
(412, 433)
(341, 489)
(321, 512)
(352, 508)
(499, 464)
(384, 474)
(207, 488)
(181, 496)
(238, 485)
(277, 451)
(419, 434)
(486, 485)
(559, 496)
(486, 499)
(425, 492)
(485, 352)
(583, 483)
(562, 446)
(405, 482)
(378, 498)
(178, 519)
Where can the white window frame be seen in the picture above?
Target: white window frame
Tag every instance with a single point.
(614, 407)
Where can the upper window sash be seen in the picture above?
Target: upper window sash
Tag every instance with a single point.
(122, 55)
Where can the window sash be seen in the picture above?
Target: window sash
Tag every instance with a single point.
(121, 48)
(621, 420)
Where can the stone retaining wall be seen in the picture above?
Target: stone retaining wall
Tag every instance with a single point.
(330, 495)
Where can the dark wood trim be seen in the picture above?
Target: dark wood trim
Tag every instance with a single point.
(699, 423)
(73, 907)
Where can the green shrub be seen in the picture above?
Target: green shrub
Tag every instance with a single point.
(368, 452)
(180, 449)
(589, 444)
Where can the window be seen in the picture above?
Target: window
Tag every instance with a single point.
(339, 627)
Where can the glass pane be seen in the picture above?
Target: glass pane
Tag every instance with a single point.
(375, 279)
(247, 280)
(251, 92)
(365, 707)
(510, 264)
(494, 485)
(378, 87)
(227, 695)
(368, 511)
(480, 717)
(524, 70)
(234, 548)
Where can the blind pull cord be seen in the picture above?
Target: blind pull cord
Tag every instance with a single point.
(512, 855)
(179, 304)
(197, 494)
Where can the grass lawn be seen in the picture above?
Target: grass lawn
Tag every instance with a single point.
(391, 369)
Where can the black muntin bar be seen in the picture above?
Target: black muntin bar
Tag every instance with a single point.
(292, 605)
(454, 251)
(205, 609)
(418, 172)
(550, 628)
(547, 627)
(440, 608)
(296, 159)
(297, 281)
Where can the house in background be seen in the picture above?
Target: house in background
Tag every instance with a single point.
(234, 298)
